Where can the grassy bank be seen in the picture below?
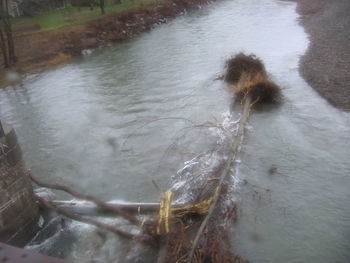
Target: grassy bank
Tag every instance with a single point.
(72, 15)
(40, 40)
(52, 39)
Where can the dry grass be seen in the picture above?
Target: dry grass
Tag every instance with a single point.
(240, 64)
(59, 59)
(258, 87)
(266, 92)
(215, 247)
(247, 80)
(247, 76)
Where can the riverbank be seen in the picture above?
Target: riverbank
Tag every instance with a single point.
(40, 50)
(326, 64)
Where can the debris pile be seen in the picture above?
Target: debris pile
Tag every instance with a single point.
(194, 223)
(247, 75)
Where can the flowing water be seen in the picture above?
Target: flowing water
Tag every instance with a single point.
(110, 123)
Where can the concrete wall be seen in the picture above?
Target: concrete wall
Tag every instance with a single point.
(18, 209)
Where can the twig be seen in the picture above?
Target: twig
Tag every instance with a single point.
(156, 186)
(226, 170)
(186, 130)
(132, 219)
(85, 219)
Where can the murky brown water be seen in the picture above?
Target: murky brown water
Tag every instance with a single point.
(91, 124)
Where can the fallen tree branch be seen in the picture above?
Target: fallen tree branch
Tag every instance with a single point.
(90, 208)
(105, 206)
(231, 158)
(85, 219)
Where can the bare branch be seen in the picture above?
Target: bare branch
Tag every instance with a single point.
(235, 150)
(85, 219)
(105, 206)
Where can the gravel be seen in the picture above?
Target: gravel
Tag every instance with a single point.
(326, 64)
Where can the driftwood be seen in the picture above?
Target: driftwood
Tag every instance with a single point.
(205, 241)
(235, 149)
(83, 207)
(104, 205)
(198, 231)
(204, 238)
(90, 221)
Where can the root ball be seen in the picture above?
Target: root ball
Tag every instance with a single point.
(241, 63)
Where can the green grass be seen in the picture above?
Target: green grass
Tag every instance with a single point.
(71, 15)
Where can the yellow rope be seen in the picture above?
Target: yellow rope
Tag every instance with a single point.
(166, 212)
(198, 208)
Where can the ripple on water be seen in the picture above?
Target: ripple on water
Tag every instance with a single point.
(69, 118)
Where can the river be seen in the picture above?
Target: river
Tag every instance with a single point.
(111, 122)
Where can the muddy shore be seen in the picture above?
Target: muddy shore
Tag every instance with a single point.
(41, 50)
(326, 64)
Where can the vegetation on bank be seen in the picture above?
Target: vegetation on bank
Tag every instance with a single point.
(56, 42)
(39, 41)
(72, 15)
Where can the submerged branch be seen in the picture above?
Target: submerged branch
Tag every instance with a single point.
(105, 206)
(89, 208)
(85, 219)
(234, 152)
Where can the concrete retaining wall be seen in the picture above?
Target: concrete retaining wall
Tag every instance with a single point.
(18, 210)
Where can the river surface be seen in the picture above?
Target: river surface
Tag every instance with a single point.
(111, 122)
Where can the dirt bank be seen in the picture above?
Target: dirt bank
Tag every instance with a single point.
(326, 64)
(44, 49)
